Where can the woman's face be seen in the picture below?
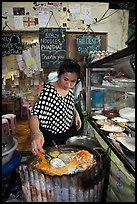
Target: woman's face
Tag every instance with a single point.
(68, 80)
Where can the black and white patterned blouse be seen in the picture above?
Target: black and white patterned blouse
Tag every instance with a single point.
(54, 111)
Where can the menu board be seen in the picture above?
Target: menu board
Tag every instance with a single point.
(52, 46)
(11, 43)
(87, 43)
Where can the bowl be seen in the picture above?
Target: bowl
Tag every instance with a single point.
(7, 143)
(7, 155)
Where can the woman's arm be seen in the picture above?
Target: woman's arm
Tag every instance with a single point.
(77, 119)
(37, 139)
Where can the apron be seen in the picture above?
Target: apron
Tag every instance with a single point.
(59, 138)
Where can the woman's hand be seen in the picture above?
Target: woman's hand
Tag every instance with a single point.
(78, 122)
(37, 141)
(77, 119)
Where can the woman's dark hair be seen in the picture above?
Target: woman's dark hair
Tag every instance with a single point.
(69, 65)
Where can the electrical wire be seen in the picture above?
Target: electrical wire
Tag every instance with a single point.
(102, 18)
(52, 14)
(6, 25)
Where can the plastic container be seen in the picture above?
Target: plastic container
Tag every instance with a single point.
(12, 164)
(97, 96)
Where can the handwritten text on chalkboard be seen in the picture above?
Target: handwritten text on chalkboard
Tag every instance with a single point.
(85, 43)
(52, 46)
(11, 44)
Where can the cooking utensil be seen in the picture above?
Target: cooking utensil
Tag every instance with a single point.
(63, 156)
(83, 140)
(54, 143)
(35, 159)
(32, 160)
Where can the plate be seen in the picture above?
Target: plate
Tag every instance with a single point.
(103, 122)
(128, 142)
(119, 119)
(99, 117)
(112, 128)
(117, 134)
(128, 113)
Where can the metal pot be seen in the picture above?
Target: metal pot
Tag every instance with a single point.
(82, 140)
(9, 144)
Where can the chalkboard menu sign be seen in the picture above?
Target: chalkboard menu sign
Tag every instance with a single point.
(52, 46)
(86, 43)
(11, 44)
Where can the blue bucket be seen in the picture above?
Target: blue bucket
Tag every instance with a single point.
(97, 96)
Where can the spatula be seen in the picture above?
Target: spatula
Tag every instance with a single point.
(32, 160)
(54, 162)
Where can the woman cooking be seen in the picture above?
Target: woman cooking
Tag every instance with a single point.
(54, 113)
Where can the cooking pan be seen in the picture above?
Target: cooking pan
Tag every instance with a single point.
(82, 140)
(98, 154)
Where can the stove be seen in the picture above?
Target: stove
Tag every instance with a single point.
(11, 187)
(11, 183)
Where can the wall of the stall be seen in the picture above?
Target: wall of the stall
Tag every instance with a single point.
(75, 16)
(22, 74)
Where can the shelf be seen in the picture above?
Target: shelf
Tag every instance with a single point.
(111, 60)
(123, 89)
(121, 61)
